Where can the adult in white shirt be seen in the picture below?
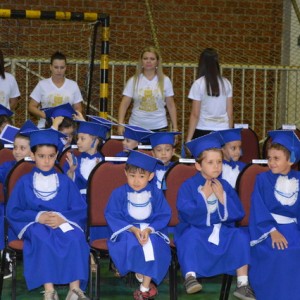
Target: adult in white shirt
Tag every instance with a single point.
(151, 91)
(9, 90)
(55, 90)
(211, 94)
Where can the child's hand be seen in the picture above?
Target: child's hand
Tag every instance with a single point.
(278, 240)
(56, 122)
(218, 189)
(51, 219)
(78, 116)
(72, 161)
(44, 218)
(207, 188)
(55, 220)
(142, 236)
(145, 236)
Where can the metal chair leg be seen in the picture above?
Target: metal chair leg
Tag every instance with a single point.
(226, 285)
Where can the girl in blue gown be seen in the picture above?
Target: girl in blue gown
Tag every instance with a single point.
(274, 222)
(163, 148)
(232, 151)
(47, 211)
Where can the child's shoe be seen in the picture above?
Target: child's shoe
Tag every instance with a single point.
(76, 294)
(244, 292)
(192, 285)
(50, 295)
(138, 295)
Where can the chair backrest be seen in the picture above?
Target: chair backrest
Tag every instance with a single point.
(175, 176)
(111, 147)
(104, 178)
(63, 157)
(245, 186)
(21, 168)
(5, 155)
(250, 145)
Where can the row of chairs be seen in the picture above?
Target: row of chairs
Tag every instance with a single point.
(102, 181)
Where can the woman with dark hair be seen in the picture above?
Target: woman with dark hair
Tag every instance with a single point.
(9, 90)
(212, 98)
(54, 91)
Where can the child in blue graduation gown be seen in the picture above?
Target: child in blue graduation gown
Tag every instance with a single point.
(21, 149)
(207, 241)
(89, 138)
(163, 148)
(138, 214)
(274, 222)
(133, 135)
(232, 150)
(47, 211)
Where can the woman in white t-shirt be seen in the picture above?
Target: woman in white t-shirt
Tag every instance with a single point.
(55, 90)
(212, 98)
(150, 91)
(9, 90)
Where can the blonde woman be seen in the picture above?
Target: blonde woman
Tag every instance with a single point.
(151, 91)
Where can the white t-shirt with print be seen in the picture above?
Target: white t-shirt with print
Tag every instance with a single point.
(213, 113)
(8, 89)
(49, 95)
(148, 104)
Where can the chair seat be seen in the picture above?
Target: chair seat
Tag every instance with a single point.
(100, 244)
(16, 245)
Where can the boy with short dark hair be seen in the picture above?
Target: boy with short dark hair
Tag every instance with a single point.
(138, 214)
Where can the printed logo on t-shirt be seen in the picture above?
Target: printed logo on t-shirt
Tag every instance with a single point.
(148, 102)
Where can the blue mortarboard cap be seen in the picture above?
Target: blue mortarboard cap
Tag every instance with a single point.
(135, 132)
(28, 126)
(198, 145)
(289, 140)
(158, 138)
(93, 128)
(230, 135)
(101, 121)
(8, 134)
(64, 110)
(142, 160)
(45, 137)
(5, 111)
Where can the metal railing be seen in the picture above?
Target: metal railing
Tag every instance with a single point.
(265, 97)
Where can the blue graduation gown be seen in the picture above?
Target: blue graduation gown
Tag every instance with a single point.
(160, 172)
(50, 255)
(4, 170)
(82, 161)
(124, 248)
(274, 273)
(195, 253)
(231, 171)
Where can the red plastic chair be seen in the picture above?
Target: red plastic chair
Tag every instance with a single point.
(174, 179)
(104, 178)
(245, 186)
(111, 147)
(250, 145)
(14, 247)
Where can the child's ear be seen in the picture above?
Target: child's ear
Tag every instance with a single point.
(198, 166)
(151, 176)
(32, 156)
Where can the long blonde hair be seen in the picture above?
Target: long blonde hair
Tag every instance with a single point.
(159, 70)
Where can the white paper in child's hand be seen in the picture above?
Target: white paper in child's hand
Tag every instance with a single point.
(65, 227)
